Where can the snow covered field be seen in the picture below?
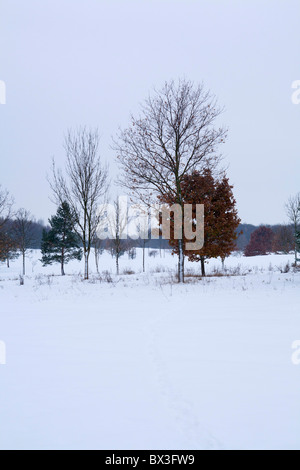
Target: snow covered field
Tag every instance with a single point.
(139, 362)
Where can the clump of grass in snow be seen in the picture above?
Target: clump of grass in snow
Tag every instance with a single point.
(43, 280)
(128, 271)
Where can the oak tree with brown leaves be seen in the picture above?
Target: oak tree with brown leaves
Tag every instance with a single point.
(220, 215)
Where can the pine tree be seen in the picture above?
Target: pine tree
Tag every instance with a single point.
(60, 244)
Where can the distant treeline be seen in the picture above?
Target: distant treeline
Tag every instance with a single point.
(244, 231)
(279, 231)
(36, 230)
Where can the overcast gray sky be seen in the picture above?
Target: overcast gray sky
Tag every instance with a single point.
(68, 63)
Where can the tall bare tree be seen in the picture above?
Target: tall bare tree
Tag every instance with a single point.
(175, 134)
(292, 208)
(23, 232)
(117, 224)
(83, 184)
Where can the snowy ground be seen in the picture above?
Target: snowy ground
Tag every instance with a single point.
(143, 363)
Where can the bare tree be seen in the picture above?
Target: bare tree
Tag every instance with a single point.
(284, 240)
(82, 185)
(174, 135)
(6, 203)
(23, 232)
(8, 247)
(117, 223)
(292, 208)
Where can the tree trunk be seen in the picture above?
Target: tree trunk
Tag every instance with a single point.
(180, 262)
(62, 268)
(23, 263)
(180, 242)
(117, 264)
(96, 260)
(86, 265)
(223, 264)
(143, 258)
(203, 266)
(295, 237)
(7, 262)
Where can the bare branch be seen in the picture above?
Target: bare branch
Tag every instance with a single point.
(6, 204)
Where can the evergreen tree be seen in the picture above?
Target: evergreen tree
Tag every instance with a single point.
(60, 244)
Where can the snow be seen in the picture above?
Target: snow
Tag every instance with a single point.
(144, 363)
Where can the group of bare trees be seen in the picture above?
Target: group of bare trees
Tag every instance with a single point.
(279, 238)
(175, 134)
(16, 230)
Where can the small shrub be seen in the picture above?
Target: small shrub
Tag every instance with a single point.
(43, 280)
(107, 277)
(285, 269)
